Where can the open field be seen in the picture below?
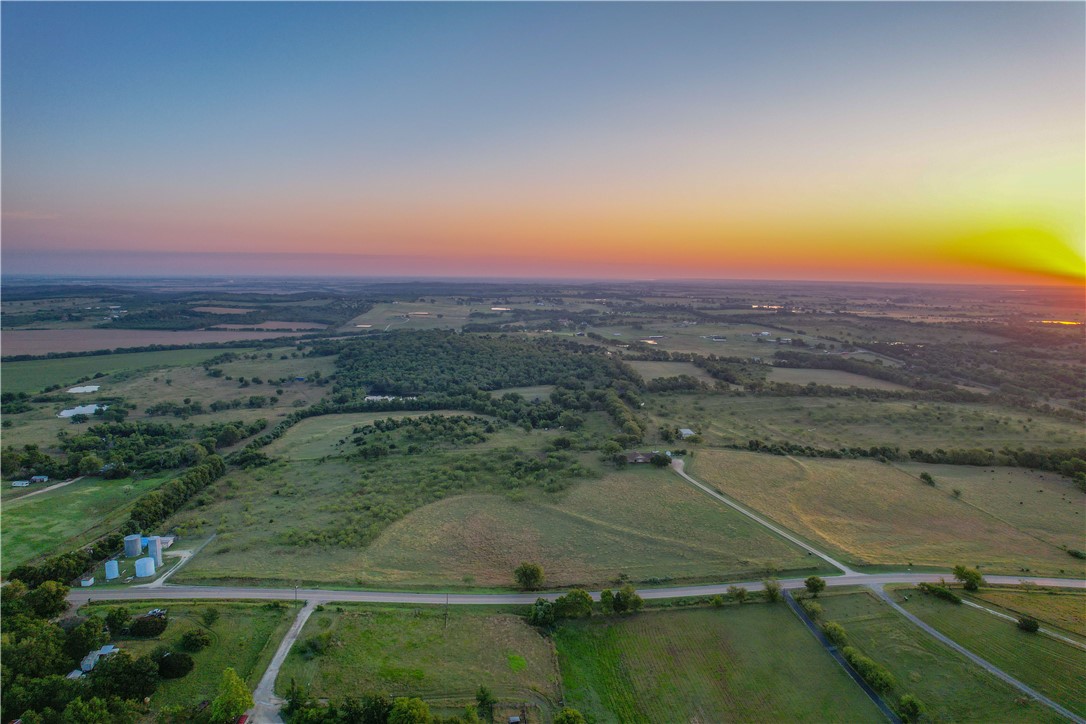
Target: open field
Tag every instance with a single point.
(316, 437)
(705, 665)
(443, 313)
(645, 524)
(652, 370)
(740, 341)
(272, 324)
(1057, 610)
(875, 514)
(846, 422)
(1043, 504)
(245, 638)
(533, 392)
(63, 519)
(1052, 667)
(835, 378)
(951, 687)
(409, 651)
(44, 341)
(36, 375)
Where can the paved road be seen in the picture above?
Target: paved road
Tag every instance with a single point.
(267, 704)
(995, 671)
(678, 466)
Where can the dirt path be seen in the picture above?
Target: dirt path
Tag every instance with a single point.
(46, 490)
(266, 708)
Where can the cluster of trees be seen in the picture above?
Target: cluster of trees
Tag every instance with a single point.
(156, 506)
(414, 434)
(875, 674)
(940, 591)
(577, 603)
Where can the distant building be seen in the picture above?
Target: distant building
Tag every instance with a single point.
(20, 484)
(635, 458)
(686, 432)
(91, 659)
(40, 479)
(85, 582)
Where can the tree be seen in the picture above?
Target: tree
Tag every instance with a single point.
(117, 620)
(575, 604)
(210, 616)
(233, 699)
(529, 576)
(835, 632)
(195, 639)
(737, 593)
(484, 702)
(90, 464)
(122, 676)
(147, 626)
(85, 637)
(911, 708)
(174, 665)
(772, 590)
(48, 600)
(1028, 624)
(926, 477)
(970, 577)
(409, 711)
(815, 585)
(607, 601)
(569, 716)
(627, 599)
(541, 613)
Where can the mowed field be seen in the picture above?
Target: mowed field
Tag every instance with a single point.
(739, 663)
(409, 651)
(876, 514)
(1059, 610)
(650, 370)
(316, 437)
(245, 638)
(65, 518)
(846, 422)
(834, 378)
(44, 341)
(35, 375)
(951, 687)
(1052, 667)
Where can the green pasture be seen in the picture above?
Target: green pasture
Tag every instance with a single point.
(834, 378)
(35, 375)
(245, 638)
(1054, 609)
(951, 687)
(414, 651)
(68, 517)
(875, 514)
(1052, 667)
(650, 370)
(755, 662)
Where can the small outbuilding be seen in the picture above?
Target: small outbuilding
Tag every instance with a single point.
(637, 458)
(686, 432)
(91, 660)
(21, 484)
(39, 479)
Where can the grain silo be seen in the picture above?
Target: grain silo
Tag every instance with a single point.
(154, 549)
(145, 567)
(132, 545)
(113, 570)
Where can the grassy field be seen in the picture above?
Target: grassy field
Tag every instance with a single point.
(317, 437)
(38, 374)
(443, 313)
(951, 687)
(44, 341)
(835, 378)
(408, 651)
(652, 370)
(644, 523)
(63, 519)
(698, 338)
(874, 514)
(1061, 610)
(529, 393)
(845, 422)
(245, 637)
(749, 663)
(1052, 667)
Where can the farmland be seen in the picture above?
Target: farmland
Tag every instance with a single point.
(875, 514)
(439, 314)
(244, 637)
(411, 651)
(950, 686)
(704, 665)
(44, 341)
(35, 375)
(834, 378)
(1063, 610)
(62, 519)
(653, 370)
(846, 422)
(1052, 667)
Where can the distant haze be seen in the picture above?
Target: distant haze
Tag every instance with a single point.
(853, 141)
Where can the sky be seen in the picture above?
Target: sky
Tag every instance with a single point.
(937, 142)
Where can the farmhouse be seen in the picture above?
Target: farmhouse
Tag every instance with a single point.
(638, 457)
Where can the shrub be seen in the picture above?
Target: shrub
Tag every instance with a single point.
(1075, 553)
(875, 674)
(1028, 623)
(911, 708)
(940, 592)
(815, 585)
(529, 576)
(174, 665)
(835, 632)
(926, 477)
(542, 613)
(772, 590)
(146, 626)
(813, 608)
(195, 640)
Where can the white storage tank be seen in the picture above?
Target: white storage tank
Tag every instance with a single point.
(132, 546)
(145, 567)
(154, 549)
(113, 570)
